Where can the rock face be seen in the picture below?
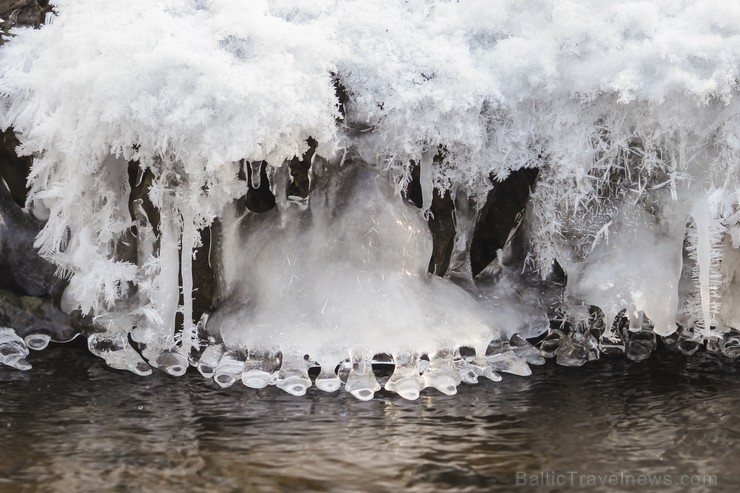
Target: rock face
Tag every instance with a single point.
(32, 316)
(22, 13)
(29, 290)
(27, 282)
(13, 169)
(21, 270)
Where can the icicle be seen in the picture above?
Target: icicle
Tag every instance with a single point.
(188, 339)
(37, 342)
(201, 336)
(523, 349)
(441, 373)
(636, 318)
(714, 344)
(209, 360)
(259, 368)
(173, 363)
(551, 343)
(688, 342)
(343, 369)
(328, 380)
(229, 368)
(255, 169)
(405, 380)
(114, 348)
(465, 218)
(13, 350)
(641, 345)
(731, 344)
(293, 375)
(703, 218)
(501, 357)
(279, 187)
(361, 381)
(144, 233)
(426, 180)
(578, 346)
(467, 372)
(611, 340)
(484, 369)
(509, 362)
(167, 294)
(613, 343)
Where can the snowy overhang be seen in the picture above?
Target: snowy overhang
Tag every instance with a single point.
(214, 81)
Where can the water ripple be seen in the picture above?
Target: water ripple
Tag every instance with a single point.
(74, 425)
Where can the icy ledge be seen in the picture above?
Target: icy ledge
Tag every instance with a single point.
(256, 161)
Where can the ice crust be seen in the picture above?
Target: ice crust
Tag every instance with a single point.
(628, 109)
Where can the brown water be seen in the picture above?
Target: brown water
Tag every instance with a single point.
(72, 424)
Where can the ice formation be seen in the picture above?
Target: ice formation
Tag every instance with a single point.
(282, 140)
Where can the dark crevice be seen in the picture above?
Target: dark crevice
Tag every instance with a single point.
(441, 219)
(412, 193)
(498, 216)
(300, 184)
(140, 183)
(14, 170)
(496, 220)
(21, 269)
(442, 225)
(259, 199)
(204, 278)
(342, 97)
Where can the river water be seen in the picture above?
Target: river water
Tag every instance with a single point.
(72, 424)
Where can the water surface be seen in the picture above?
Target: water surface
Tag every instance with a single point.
(73, 424)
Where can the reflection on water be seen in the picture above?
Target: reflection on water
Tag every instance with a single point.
(72, 424)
